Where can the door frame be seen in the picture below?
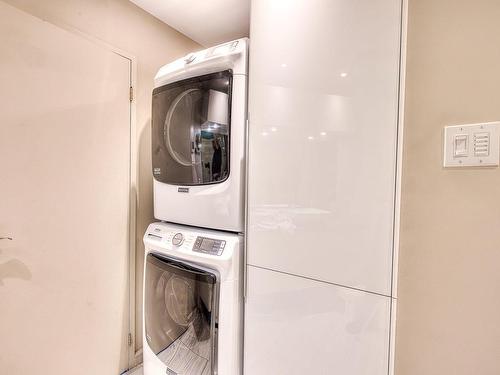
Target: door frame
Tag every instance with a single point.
(399, 173)
(134, 356)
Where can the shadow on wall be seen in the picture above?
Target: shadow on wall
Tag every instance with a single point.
(145, 217)
(14, 269)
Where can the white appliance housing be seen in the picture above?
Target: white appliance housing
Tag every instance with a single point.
(217, 204)
(183, 246)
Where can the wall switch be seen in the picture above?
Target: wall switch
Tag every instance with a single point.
(472, 145)
(461, 145)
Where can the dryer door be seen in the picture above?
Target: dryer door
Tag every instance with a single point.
(190, 130)
(180, 312)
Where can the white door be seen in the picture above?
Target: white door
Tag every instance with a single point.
(64, 200)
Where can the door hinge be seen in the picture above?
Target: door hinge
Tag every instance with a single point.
(131, 93)
(129, 339)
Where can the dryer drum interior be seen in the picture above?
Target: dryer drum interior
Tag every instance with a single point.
(191, 130)
(181, 306)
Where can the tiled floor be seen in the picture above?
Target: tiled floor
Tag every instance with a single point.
(135, 371)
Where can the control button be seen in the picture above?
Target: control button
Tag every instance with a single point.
(190, 58)
(482, 144)
(178, 239)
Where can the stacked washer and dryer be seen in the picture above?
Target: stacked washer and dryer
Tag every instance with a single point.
(193, 279)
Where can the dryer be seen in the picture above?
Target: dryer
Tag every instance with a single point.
(198, 138)
(193, 301)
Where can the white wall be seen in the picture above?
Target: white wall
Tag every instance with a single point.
(323, 112)
(449, 279)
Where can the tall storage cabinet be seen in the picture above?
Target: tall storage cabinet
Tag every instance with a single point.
(323, 126)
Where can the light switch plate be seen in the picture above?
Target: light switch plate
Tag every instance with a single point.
(472, 145)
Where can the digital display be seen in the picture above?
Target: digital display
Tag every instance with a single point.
(207, 244)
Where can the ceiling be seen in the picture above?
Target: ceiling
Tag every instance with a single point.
(208, 22)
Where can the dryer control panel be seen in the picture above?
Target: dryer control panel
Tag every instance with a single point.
(209, 246)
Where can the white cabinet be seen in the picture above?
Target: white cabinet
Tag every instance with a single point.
(296, 326)
(323, 129)
(323, 109)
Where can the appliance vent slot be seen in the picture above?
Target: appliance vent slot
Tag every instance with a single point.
(154, 236)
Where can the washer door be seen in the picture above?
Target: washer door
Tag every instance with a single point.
(190, 130)
(180, 312)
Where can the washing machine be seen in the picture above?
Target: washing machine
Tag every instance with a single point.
(199, 118)
(193, 301)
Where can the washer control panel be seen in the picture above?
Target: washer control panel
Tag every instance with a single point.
(209, 246)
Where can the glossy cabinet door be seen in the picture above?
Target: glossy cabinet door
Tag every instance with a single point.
(297, 326)
(323, 108)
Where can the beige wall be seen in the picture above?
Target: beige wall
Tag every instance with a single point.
(125, 26)
(448, 319)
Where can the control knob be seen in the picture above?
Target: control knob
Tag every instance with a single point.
(178, 239)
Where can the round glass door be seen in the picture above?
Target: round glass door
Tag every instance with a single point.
(191, 130)
(180, 315)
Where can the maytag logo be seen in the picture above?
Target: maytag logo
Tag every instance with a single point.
(171, 372)
(183, 190)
